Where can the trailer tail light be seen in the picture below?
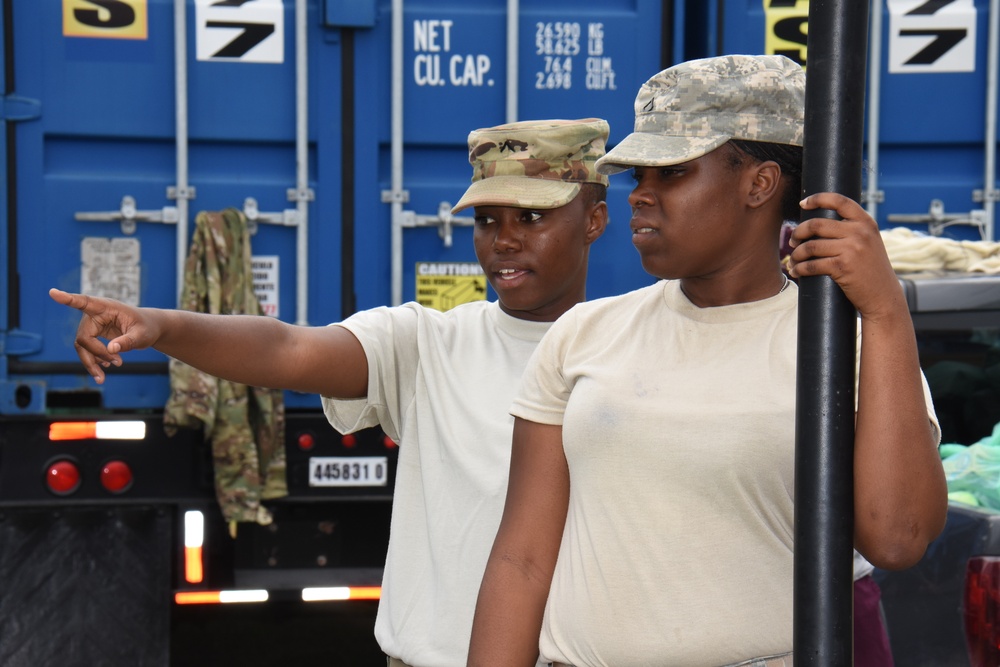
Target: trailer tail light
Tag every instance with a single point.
(341, 593)
(220, 597)
(981, 605)
(97, 430)
(116, 476)
(194, 539)
(62, 477)
(306, 441)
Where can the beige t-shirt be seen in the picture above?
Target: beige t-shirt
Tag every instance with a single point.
(678, 428)
(440, 385)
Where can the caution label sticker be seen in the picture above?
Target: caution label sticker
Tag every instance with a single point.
(444, 285)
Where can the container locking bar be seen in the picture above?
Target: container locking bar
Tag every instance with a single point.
(287, 218)
(128, 215)
(936, 219)
(444, 221)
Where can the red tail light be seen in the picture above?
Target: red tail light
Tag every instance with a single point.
(306, 441)
(981, 605)
(62, 477)
(116, 476)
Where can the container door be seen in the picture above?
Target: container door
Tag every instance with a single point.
(103, 176)
(572, 61)
(934, 135)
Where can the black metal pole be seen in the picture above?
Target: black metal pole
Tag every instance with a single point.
(824, 420)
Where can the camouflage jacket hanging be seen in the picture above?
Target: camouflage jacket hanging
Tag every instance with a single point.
(245, 425)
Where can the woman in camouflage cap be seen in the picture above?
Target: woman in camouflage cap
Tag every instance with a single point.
(439, 383)
(649, 518)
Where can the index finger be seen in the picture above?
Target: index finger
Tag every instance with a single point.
(78, 301)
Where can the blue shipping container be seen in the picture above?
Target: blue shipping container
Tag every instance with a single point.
(123, 130)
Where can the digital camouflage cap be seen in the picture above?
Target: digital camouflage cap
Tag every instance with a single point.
(694, 107)
(535, 163)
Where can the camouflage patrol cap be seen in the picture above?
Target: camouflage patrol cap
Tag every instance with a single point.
(534, 163)
(692, 108)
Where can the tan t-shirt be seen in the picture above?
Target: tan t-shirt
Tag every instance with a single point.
(440, 385)
(678, 428)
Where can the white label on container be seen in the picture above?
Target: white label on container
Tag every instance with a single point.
(265, 282)
(252, 31)
(109, 267)
(436, 65)
(932, 36)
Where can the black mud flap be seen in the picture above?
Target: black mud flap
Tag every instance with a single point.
(85, 587)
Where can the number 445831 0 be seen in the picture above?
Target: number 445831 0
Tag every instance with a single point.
(348, 471)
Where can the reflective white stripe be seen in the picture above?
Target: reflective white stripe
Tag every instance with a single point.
(341, 593)
(332, 593)
(194, 528)
(243, 596)
(121, 430)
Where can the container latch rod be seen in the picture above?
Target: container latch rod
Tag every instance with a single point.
(444, 221)
(129, 214)
(288, 217)
(936, 219)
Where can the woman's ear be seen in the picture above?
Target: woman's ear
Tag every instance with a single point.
(765, 185)
(597, 221)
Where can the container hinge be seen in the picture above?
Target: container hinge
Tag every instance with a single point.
(16, 108)
(876, 196)
(444, 221)
(300, 194)
(980, 196)
(16, 343)
(128, 215)
(175, 193)
(394, 196)
(288, 217)
(936, 219)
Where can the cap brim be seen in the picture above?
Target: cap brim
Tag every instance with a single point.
(644, 149)
(519, 192)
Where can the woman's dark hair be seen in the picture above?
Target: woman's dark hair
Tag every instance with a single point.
(593, 193)
(789, 158)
